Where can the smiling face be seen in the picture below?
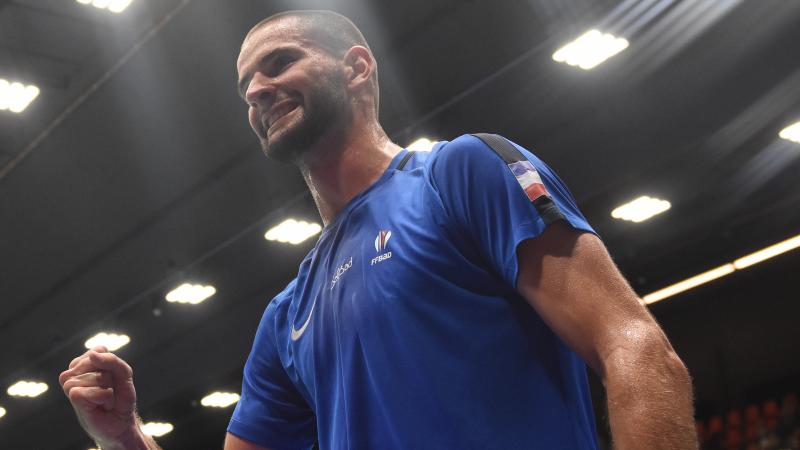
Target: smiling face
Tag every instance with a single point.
(295, 91)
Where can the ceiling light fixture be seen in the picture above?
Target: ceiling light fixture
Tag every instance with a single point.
(640, 209)
(2, 411)
(292, 231)
(689, 283)
(25, 388)
(190, 293)
(791, 133)
(421, 145)
(219, 399)
(726, 269)
(767, 253)
(15, 96)
(157, 429)
(590, 49)
(110, 341)
(115, 6)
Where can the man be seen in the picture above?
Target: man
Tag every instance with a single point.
(449, 303)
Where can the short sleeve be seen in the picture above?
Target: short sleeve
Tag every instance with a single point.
(271, 412)
(499, 203)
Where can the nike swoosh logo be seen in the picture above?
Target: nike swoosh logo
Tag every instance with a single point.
(297, 333)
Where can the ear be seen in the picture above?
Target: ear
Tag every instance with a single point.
(359, 66)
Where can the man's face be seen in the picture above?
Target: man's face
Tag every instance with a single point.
(296, 92)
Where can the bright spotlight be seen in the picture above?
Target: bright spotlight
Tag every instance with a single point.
(292, 231)
(110, 341)
(590, 50)
(219, 399)
(115, 6)
(640, 209)
(421, 145)
(190, 293)
(15, 96)
(25, 388)
(157, 429)
(791, 133)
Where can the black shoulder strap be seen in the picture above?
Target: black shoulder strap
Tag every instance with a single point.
(403, 161)
(504, 149)
(544, 205)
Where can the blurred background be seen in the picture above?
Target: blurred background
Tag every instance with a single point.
(134, 198)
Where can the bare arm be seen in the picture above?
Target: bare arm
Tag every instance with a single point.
(100, 388)
(134, 440)
(572, 283)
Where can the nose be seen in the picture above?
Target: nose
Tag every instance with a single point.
(260, 92)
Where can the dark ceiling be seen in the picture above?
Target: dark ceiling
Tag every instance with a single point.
(135, 170)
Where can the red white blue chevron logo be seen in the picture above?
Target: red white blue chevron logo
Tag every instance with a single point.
(382, 240)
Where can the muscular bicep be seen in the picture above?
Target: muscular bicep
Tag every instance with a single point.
(571, 281)
(232, 442)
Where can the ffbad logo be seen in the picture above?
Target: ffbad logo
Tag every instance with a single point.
(380, 245)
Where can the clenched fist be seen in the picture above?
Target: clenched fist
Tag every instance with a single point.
(100, 388)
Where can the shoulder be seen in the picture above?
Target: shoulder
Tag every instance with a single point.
(468, 155)
(467, 161)
(275, 317)
(277, 308)
(266, 347)
(284, 296)
(465, 148)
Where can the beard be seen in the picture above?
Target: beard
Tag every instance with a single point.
(323, 109)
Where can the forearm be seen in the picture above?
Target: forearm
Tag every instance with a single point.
(650, 401)
(135, 439)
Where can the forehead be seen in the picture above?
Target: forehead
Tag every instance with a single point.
(278, 33)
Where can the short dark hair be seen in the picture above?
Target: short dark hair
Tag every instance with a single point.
(332, 32)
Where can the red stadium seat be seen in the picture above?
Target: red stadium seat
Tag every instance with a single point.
(770, 411)
(734, 419)
(733, 439)
(752, 415)
(715, 425)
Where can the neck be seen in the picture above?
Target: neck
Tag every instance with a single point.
(345, 164)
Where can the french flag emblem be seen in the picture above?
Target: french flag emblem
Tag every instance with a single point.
(382, 240)
(529, 179)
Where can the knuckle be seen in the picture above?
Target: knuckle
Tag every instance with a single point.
(75, 394)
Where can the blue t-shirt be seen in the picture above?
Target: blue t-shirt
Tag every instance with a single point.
(404, 330)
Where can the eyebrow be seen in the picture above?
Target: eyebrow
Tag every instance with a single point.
(241, 86)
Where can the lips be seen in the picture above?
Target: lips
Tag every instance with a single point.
(277, 111)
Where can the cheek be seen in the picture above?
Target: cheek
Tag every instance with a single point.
(255, 122)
